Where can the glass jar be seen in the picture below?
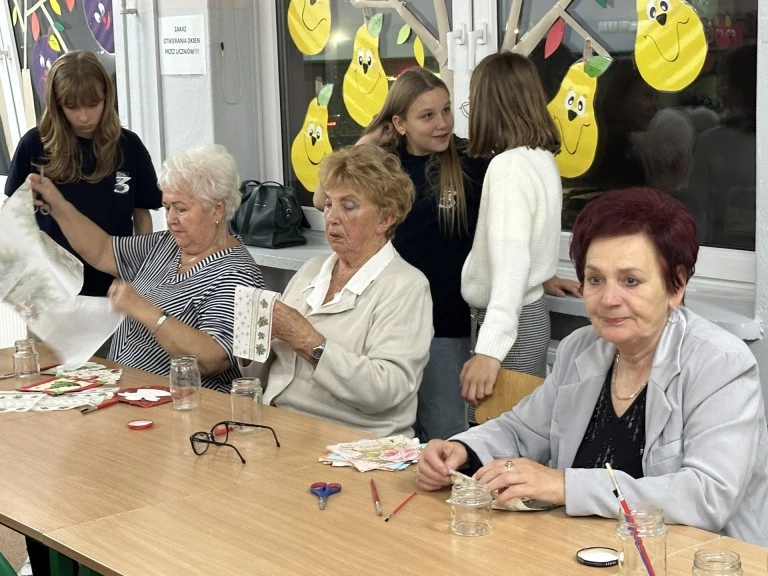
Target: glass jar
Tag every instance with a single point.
(642, 540)
(716, 563)
(26, 359)
(470, 509)
(247, 398)
(184, 377)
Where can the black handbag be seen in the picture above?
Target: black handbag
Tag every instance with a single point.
(269, 216)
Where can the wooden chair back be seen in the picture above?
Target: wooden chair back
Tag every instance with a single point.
(511, 387)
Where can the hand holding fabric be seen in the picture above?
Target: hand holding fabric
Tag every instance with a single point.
(523, 478)
(46, 191)
(291, 327)
(126, 300)
(437, 460)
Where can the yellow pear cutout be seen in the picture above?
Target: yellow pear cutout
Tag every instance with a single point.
(365, 82)
(573, 109)
(670, 46)
(309, 24)
(311, 144)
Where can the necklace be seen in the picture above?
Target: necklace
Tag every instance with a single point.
(613, 383)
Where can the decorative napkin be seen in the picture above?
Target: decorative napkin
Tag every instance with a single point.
(253, 322)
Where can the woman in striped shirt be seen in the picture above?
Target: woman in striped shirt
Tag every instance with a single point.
(176, 287)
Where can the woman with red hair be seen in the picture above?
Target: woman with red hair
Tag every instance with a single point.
(670, 400)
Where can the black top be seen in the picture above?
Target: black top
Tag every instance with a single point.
(423, 244)
(618, 440)
(109, 203)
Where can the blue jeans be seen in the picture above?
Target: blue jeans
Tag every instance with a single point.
(441, 411)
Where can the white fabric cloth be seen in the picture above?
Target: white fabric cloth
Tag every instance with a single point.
(516, 243)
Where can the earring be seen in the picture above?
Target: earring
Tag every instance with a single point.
(217, 223)
(674, 316)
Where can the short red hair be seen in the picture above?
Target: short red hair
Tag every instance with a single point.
(665, 221)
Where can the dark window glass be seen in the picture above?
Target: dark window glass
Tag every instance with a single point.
(697, 144)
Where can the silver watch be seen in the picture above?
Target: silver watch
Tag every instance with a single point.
(317, 352)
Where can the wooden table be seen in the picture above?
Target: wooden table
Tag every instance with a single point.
(141, 502)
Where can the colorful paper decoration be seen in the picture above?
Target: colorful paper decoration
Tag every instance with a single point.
(670, 46)
(309, 24)
(99, 17)
(573, 109)
(312, 143)
(365, 83)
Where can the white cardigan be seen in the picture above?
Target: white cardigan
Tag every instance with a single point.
(516, 244)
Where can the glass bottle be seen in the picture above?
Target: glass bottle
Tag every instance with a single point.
(184, 376)
(26, 359)
(470, 509)
(642, 540)
(716, 563)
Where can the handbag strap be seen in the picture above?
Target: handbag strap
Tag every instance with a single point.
(249, 205)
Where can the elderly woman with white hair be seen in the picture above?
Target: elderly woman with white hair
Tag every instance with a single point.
(176, 287)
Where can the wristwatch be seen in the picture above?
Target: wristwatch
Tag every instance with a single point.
(317, 353)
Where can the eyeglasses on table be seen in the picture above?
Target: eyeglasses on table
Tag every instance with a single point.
(200, 441)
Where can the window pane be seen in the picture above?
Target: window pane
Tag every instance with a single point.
(302, 76)
(42, 36)
(697, 144)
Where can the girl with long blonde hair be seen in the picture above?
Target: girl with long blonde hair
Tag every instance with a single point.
(102, 169)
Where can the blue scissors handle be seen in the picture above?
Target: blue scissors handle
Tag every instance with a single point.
(323, 491)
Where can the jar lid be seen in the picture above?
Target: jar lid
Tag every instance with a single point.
(140, 424)
(598, 556)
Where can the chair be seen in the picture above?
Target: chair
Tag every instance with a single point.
(511, 387)
(5, 568)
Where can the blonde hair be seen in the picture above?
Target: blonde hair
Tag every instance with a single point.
(208, 173)
(77, 79)
(402, 94)
(375, 173)
(508, 107)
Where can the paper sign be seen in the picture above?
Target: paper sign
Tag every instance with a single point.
(670, 46)
(573, 110)
(182, 45)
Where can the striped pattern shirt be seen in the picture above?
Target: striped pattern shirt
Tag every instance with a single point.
(202, 297)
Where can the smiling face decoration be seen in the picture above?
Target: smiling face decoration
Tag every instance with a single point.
(309, 24)
(670, 46)
(44, 53)
(365, 82)
(573, 110)
(98, 16)
(311, 144)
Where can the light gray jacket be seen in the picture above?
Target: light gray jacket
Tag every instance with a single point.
(705, 459)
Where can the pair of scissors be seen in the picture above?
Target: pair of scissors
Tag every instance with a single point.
(323, 491)
(44, 208)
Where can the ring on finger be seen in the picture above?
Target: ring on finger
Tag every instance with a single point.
(508, 465)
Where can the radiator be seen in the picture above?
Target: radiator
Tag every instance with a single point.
(12, 327)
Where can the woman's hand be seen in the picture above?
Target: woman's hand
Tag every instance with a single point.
(125, 299)
(46, 191)
(561, 287)
(523, 479)
(437, 460)
(381, 136)
(292, 328)
(478, 377)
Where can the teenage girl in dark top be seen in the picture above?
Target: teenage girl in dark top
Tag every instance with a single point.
(101, 168)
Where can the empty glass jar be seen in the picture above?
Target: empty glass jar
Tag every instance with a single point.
(716, 563)
(470, 509)
(26, 359)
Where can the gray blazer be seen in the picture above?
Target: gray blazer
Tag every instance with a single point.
(705, 459)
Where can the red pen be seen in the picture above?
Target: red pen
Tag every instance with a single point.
(399, 506)
(110, 402)
(375, 495)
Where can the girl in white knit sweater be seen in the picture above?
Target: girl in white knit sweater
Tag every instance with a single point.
(518, 231)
